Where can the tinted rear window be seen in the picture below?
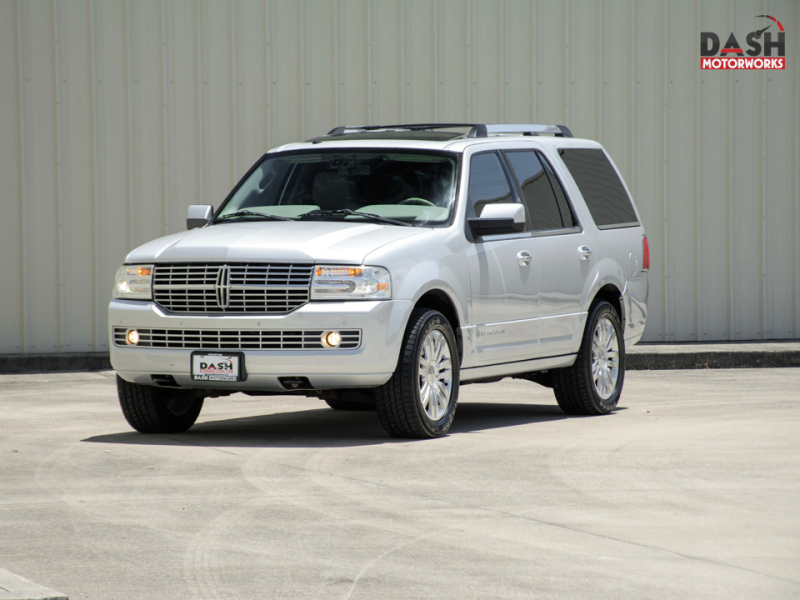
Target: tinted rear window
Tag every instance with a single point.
(600, 186)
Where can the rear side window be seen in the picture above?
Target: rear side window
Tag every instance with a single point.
(563, 203)
(488, 183)
(600, 186)
(540, 202)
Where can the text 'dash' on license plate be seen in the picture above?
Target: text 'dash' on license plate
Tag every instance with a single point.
(217, 366)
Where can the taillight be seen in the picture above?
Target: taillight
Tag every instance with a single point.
(645, 253)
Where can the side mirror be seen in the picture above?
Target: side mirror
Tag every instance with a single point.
(499, 218)
(199, 215)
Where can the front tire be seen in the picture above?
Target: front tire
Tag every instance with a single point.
(592, 386)
(158, 410)
(419, 401)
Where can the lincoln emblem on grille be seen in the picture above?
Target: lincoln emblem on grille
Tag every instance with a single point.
(223, 286)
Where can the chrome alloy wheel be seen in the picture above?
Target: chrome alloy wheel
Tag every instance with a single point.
(605, 358)
(435, 375)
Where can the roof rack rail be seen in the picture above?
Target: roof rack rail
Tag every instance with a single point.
(477, 130)
(557, 130)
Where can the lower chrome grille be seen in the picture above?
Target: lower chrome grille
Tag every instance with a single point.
(234, 339)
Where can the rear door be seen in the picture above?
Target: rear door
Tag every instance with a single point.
(561, 250)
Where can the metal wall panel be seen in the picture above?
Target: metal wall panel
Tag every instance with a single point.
(118, 114)
(12, 190)
(713, 193)
(452, 64)
(649, 149)
(43, 202)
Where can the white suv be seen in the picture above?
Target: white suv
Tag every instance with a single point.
(381, 267)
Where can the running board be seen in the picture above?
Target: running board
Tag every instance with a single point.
(515, 368)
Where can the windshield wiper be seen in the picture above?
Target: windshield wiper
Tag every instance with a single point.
(346, 212)
(251, 213)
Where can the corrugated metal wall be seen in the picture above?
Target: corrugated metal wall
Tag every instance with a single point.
(118, 114)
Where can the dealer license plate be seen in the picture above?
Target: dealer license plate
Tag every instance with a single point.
(217, 366)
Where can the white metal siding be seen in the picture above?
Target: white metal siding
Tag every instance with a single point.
(118, 114)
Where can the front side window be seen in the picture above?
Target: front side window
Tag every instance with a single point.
(412, 188)
(488, 183)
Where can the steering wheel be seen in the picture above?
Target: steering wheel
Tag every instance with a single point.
(417, 201)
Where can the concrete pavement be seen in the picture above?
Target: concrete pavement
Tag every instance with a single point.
(689, 490)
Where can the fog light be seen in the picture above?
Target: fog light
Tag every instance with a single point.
(132, 337)
(331, 339)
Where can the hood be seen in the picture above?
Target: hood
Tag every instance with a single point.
(269, 241)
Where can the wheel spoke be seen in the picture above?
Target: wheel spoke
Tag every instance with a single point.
(435, 374)
(605, 358)
(435, 407)
(438, 346)
(430, 349)
(609, 336)
(425, 395)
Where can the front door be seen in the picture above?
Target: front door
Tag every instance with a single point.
(503, 275)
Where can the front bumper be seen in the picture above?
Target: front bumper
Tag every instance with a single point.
(382, 324)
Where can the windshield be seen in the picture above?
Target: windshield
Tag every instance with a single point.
(412, 187)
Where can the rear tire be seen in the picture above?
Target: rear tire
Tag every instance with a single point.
(150, 409)
(419, 401)
(592, 386)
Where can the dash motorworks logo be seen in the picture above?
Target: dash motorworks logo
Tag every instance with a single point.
(766, 48)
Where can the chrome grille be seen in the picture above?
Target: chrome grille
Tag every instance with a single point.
(233, 339)
(213, 288)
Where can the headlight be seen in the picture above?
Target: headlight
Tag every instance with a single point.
(133, 282)
(334, 282)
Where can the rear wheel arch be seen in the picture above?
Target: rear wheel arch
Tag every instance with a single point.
(610, 293)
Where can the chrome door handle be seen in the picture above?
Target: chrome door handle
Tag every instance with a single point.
(584, 252)
(524, 258)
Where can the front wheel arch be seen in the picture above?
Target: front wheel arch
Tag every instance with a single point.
(440, 301)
